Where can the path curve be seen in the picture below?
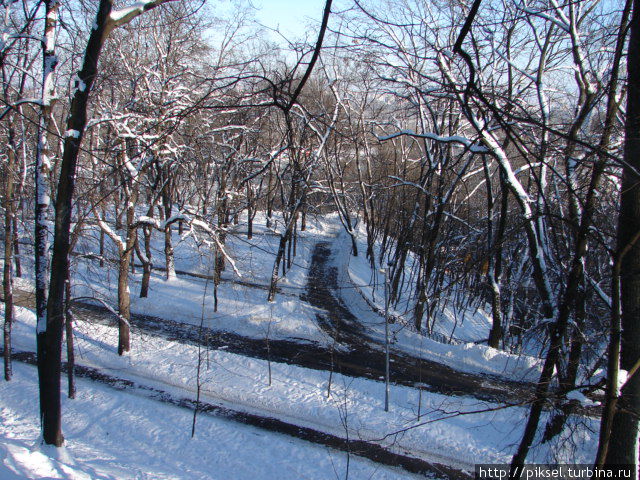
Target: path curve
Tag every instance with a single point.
(340, 323)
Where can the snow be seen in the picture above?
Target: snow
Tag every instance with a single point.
(133, 171)
(464, 326)
(123, 15)
(578, 396)
(117, 435)
(622, 379)
(157, 435)
(72, 133)
(241, 383)
(473, 147)
(242, 309)
(111, 234)
(80, 85)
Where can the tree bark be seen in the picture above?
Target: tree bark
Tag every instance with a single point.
(147, 265)
(50, 335)
(124, 296)
(16, 247)
(43, 165)
(168, 243)
(71, 360)
(623, 443)
(273, 286)
(7, 277)
(494, 271)
(250, 212)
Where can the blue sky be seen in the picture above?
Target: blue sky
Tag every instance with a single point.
(292, 16)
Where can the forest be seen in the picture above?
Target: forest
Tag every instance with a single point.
(434, 200)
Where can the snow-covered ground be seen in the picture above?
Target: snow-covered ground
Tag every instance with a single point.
(363, 287)
(114, 435)
(298, 396)
(243, 309)
(458, 432)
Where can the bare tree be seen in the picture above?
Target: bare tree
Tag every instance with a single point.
(50, 333)
(619, 446)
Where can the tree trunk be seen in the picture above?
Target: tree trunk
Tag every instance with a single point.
(42, 169)
(249, 212)
(613, 369)
(16, 247)
(147, 265)
(124, 302)
(223, 223)
(495, 334)
(495, 269)
(48, 356)
(418, 310)
(168, 243)
(101, 241)
(292, 240)
(50, 334)
(71, 360)
(623, 442)
(7, 278)
(276, 265)
(354, 244)
(124, 297)
(269, 196)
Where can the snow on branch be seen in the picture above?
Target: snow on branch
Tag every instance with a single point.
(403, 182)
(556, 21)
(273, 156)
(104, 226)
(518, 171)
(124, 15)
(133, 171)
(599, 291)
(199, 223)
(466, 142)
(192, 222)
(34, 101)
(162, 226)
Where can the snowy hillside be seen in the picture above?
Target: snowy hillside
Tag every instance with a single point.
(441, 430)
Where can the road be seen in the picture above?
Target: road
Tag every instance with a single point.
(354, 354)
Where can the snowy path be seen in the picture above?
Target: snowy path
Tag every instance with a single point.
(354, 355)
(164, 355)
(360, 448)
(366, 354)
